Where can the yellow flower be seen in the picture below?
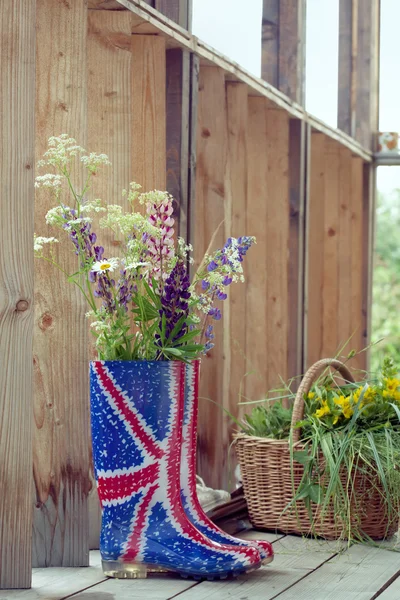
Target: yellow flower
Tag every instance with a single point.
(311, 395)
(336, 419)
(324, 410)
(345, 404)
(391, 384)
(357, 394)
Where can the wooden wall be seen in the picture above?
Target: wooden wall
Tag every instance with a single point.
(233, 160)
(17, 151)
(337, 240)
(242, 189)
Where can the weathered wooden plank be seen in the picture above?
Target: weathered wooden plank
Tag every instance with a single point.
(344, 326)
(367, 69)
(358, 574)
(358, 269)
(236, 225)
(187, 229)
(330, 279)
(176, 10)
(369, 215)
(148, 112)
(57, 583)
(348, 10)
(294, 559)
(178, 105)
(109, 131)
(270, 42)
(277, 244)
(393, 591)
(283, 57)
(105, 5)
(61, 407)
(257, 307)
(209, 213)
(297, 189)
(17, 143)
(314, 254)
(154, 588)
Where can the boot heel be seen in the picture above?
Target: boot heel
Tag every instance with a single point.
(124, 570)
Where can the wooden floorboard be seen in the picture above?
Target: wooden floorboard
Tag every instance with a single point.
(302, 570)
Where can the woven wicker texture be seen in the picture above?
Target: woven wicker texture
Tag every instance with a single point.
(269, 481)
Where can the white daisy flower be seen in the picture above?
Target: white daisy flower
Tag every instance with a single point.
(105, 265)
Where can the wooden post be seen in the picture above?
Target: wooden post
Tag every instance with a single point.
(17, 143)
(297, 192)
(61, 408)
(358, 69)
(179, 11)
(283, 43)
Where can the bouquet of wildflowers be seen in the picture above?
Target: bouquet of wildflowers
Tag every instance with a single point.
(142, 304)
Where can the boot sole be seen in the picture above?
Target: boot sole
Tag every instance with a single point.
(125, 570)
(267, 561)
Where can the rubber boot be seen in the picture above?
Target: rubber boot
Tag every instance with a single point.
(136, 419)
(190, 501)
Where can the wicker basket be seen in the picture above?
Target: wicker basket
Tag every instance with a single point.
(266, 469)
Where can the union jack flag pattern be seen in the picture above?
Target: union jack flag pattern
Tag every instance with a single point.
(190, 501)
(136, 419)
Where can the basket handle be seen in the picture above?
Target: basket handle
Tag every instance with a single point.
(305, 386)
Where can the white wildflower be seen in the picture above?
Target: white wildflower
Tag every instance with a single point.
(105, 265)
(39, 242)
(48, 181)
(93, 161)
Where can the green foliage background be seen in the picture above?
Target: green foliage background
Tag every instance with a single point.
(386, 280)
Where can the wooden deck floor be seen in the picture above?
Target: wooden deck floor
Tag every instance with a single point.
(302, 570)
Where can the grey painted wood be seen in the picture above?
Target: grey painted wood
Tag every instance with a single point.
(357, 574)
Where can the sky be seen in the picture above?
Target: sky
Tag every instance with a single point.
(225, 25)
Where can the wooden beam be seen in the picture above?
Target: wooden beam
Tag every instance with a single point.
(297, 191)
(358, 70)
(17, 144)
(178, 11)
(61, 407)
(105, 5)
(367, 69)
(283, 43)
(177, 102)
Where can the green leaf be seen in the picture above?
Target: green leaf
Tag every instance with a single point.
(302, 457)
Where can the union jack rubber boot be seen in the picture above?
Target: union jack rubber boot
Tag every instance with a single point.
(136, 419)
(190, 501)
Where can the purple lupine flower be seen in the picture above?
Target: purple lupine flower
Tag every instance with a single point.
(215, 313)
(174, 300)
(125, 289)
(227, 280)
(209, 332)
(212, 266)
(160, 249)
(204, 285)
(221, 295)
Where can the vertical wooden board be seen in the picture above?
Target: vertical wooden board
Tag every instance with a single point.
(295, 307)
(346, 73)
(369, 211)
(61, 407)
(236, 225)
(344, 328)
(257, 267)
(109, 131)
(358, 266)
(277, 246)
(315, 245)
(176, 10)
(367, 73)
(17, 143)
(292, 49)
(209, 214)
(148, 112)
(330, 285)
(177, 132)
(270, 42)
